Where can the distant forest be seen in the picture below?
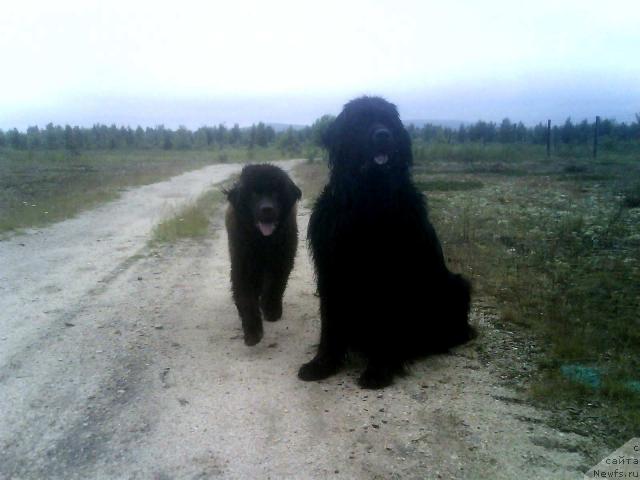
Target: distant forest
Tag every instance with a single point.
(611, 135)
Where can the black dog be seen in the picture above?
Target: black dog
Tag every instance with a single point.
(384, 288)
(263, 237)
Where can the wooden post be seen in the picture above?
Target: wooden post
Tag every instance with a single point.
(548, 138)
(595, 136)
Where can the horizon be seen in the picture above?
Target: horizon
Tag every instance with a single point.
(194, 114)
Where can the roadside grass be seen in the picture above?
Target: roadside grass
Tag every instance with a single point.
(311, 177)
(42, 187)
(193, 219)
(557, 249)
(561, 258)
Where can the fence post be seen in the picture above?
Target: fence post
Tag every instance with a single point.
(548, 138)
(595, 136)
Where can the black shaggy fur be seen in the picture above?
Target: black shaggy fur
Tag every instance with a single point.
(384, 288)
(263, 237)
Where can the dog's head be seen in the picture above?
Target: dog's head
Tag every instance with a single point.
(368, 138)
(263, 197)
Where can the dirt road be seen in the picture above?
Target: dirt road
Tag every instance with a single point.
(121, 361)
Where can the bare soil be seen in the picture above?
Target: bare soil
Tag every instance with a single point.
(119, 360)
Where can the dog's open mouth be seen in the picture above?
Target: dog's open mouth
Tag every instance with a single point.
(267, 228)
(381, 158)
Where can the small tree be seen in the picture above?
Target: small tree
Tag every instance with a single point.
(16, 139)
(139, 138)
(183, 138)
(288, 142)
(221, 135)
(506, 131)
(33, 137)
(235, 135)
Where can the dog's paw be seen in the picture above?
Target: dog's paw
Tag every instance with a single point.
(272, 312)
(318, 369)
(375, 378)
(252, 336)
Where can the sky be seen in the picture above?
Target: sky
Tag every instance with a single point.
(291, 61)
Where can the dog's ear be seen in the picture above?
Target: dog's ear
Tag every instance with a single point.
(232, 194)
(297, 192)
(294, 192)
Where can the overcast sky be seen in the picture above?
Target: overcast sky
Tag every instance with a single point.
(194, 63)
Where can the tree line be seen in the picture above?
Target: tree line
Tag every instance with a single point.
(103, 137)
(569, 133)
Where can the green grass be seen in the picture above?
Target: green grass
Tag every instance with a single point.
(192, 220)
(188, 222)
(40, 187)
(559, 256)
(555, 244)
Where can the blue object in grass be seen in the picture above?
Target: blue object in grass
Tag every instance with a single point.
(587, 376)
(633, 385)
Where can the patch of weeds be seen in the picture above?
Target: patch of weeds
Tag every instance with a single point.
(312, 177)
(313, 153)
(192, 220)
(49, 207)
(561, 261)
(187, 222)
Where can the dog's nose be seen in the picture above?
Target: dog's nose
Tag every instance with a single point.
(381, 136)
(267, 211)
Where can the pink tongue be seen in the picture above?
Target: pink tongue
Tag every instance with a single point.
(266, 228)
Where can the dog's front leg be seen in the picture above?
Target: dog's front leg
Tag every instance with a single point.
(332, 348)
(246, 291)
